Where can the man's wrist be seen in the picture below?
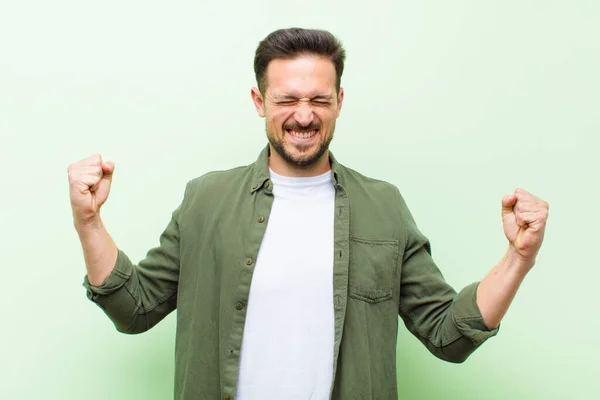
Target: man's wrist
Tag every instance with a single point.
(516, 262)
(86, 226)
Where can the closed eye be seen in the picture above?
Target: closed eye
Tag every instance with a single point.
(286, 102)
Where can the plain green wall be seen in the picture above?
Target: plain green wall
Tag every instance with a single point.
(457, 103)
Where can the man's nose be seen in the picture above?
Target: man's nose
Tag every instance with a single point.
(303, 114)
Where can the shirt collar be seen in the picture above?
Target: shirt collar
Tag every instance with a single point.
(261, 170)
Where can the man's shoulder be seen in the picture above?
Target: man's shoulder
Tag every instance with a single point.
(372, 192)
(357, 180)
(377, 205)
(222, 178)
(213, 188)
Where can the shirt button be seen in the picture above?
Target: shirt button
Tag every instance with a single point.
(267, 184)
(338, 301)
(226, 397)
(260, 218)
(249, 261)
(239, 306)
(254, 186)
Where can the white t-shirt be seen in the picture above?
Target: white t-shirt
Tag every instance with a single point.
(287, 347)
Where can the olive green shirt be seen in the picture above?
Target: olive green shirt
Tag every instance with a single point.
(203, 268)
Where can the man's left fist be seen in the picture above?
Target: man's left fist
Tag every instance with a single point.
(524, 218)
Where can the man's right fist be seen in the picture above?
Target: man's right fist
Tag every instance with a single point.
(89, 185)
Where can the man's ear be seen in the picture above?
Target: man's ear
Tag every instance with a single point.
(258, 101)
(340, 100)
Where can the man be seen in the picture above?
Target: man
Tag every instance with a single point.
(289, 274)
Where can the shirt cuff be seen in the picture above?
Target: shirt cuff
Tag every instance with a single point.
(467, 316)
(119, 275)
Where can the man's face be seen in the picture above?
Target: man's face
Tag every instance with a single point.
(300, 106)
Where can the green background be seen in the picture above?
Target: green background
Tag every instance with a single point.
(457, 103)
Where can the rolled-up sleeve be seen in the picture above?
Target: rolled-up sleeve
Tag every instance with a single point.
(467, 316)
(120, 274)
(137, 297)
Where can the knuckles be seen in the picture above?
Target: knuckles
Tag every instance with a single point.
(527, 200)
(89, 166)
(94, 159)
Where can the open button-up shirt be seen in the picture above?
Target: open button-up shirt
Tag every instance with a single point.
(204, 263)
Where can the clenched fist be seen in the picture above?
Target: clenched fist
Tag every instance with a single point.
(524, 219)
(89, 184)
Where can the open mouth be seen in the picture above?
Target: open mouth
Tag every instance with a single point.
(302, 134)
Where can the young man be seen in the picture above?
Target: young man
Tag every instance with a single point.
(289, 274)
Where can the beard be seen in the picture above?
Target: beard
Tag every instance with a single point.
(306, 157)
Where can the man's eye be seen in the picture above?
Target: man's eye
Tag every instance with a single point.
(321, 102)
(286, 102)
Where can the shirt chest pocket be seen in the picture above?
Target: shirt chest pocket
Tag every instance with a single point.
(371, 270)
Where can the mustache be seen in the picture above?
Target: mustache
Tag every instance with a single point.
(297, 127)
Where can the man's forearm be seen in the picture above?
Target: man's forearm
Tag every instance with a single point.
(99, 250)
(497, 290)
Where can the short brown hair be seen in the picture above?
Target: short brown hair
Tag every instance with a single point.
(293, 42)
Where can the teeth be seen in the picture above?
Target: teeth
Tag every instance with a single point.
(303, 135)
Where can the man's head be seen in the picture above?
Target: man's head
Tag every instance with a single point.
(298, 72)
